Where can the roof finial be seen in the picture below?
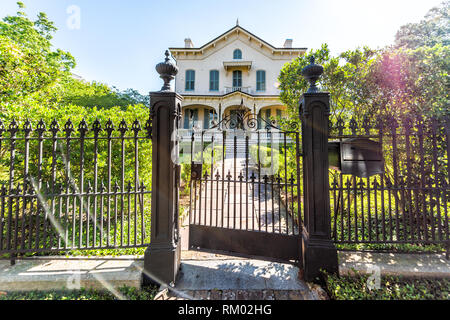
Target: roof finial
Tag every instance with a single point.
(237, 21)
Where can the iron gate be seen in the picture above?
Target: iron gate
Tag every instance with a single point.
(245, 187)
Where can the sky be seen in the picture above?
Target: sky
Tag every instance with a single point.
(119, 42)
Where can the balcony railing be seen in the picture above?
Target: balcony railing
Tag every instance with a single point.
(233, 89)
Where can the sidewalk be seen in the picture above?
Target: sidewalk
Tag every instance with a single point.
(52, 274)
(209, 275)
(398, 264)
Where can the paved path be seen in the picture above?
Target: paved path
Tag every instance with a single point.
(395, 264)
(53, 274)
(209, 275)
(202, 276)
(239, 203)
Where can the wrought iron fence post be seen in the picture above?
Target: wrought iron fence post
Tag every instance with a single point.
(162, 257)
(319, 251)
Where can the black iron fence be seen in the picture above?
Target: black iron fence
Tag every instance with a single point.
(409, 202)
(83, 186)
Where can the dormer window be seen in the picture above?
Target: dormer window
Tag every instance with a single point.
(237, 54)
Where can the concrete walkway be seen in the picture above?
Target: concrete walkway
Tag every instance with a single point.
(210, 275)
(202, 276)
(395, 264)
(52, 274)
(231, 278)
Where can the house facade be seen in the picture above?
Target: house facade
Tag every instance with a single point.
(235, 70)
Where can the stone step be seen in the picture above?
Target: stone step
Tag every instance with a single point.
(240, 295)
(216, 276)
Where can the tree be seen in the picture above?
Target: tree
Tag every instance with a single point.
(31, 72)
(434, 29)
(410, 77)
(411, 81)
(28, 65)
(96, 94)
(344, 77)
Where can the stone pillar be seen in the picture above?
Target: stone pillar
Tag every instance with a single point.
(319, 251)
(162, 257)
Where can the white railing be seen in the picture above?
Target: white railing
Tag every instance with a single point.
(241, 89)
(275, 136)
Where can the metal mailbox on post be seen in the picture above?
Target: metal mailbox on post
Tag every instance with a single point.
(361, 157)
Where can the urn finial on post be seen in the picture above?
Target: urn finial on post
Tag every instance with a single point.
(312, 73)
(167, 71)
(162, 257)
(319, 251)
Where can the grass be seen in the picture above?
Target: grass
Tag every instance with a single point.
(393, 247)
(129, 293)
(355, 287)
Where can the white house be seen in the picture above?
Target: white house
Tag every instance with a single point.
(233, 69)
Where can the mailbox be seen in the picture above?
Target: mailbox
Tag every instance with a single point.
(334, 155)
(361, 157)
(196, 171)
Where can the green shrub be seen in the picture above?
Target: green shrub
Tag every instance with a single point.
(392, 288)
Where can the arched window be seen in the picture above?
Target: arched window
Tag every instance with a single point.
(214, 80)
(190, 80)
(237, 54)
(260, 80)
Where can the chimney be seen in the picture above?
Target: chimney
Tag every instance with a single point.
(188, 43)
(288, 43)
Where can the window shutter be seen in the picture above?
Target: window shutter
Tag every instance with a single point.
(260, 80)
(205, 119)
(237, 78)
(190, 80)
(259, 120)
(186, 118)
(214, 80)
(195, 116)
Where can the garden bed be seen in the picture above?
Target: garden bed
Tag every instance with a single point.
(126, 293)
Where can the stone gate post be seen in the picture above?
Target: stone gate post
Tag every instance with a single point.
(162, 257)
(319, 251)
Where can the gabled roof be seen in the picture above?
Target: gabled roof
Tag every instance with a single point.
(227, 33)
